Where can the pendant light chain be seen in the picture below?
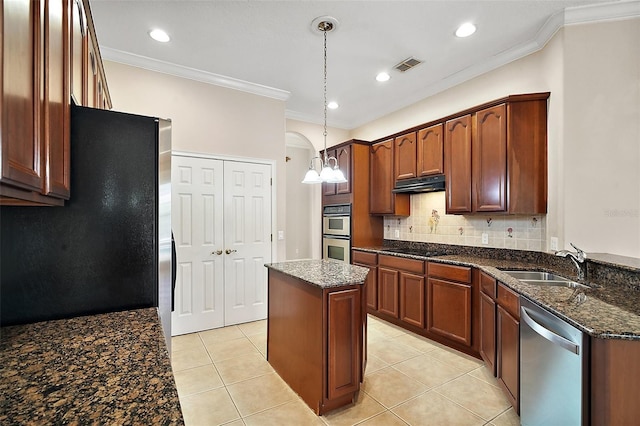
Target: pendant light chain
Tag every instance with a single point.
(326, 159)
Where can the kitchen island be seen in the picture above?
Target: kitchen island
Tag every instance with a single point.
(316, 329)
(101, 369)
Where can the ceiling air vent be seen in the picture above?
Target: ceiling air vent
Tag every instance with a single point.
(407, 64)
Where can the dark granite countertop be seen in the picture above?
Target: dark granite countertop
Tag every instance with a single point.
(611, 308)
(322, 273)
(100, 369)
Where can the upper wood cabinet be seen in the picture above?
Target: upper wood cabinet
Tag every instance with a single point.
(430, 151)
(457, 164)
(383, 200)
(496, 158)
(44, 49)
(404, 154)
(343, 155)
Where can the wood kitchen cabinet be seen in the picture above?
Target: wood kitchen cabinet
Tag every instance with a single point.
(343, 156)
(368, 260)
(508, 344)
(405, 156)
(402, 289)
(430, 150)
(388, 291)
(383, 201)
(457, 164)
(449, 302)
(488, 321)
(41, 41)
(496, 157)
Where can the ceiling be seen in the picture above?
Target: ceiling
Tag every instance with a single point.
(268, 47)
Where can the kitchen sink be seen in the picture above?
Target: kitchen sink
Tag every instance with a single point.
(542, 278)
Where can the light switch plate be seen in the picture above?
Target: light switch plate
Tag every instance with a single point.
(281, 235)
(485, 238)
(553, 244)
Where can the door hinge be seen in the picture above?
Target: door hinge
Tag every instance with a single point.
(271, 237)
(271, 181)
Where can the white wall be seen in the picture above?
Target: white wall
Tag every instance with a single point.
(208, 119)
(592, 72)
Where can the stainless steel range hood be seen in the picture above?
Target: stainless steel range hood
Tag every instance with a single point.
(422, 184)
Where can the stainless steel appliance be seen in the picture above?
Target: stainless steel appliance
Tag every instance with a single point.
(336, 232)
(109, 248)
(553, 365)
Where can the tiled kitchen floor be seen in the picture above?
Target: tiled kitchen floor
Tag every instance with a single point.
(223, 378)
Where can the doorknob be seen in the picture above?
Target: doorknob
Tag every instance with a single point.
(218, 252)
(229, 251)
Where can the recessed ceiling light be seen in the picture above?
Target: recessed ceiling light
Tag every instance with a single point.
(383, 76)
(332, 105)
(159, 35)
(465, 30)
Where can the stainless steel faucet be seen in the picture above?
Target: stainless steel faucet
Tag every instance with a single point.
(578, 258)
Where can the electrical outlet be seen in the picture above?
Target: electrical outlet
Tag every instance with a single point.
(553, 244)
(485, 238)
(397, 233)
(281, 235)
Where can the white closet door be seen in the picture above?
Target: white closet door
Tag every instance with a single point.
(247, 200)
(197, 221)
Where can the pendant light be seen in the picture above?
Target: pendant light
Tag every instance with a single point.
(324, 24)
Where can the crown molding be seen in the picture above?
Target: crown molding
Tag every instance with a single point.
(314, 119)
(618, 10)
(191, 73)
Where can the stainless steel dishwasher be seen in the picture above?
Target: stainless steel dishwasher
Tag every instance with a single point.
(553, 369)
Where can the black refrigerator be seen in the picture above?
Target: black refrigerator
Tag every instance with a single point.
(109, 248)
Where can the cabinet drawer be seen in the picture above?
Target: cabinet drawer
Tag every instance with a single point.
(509, 300)
(450, 272)
(410, 265)
(364, 257)
(488, 285)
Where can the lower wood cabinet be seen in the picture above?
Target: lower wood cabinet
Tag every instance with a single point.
(388, 292)
(488, 332)
(449, 310)
(343, 312)
(368, 260)
(507, 329)
(412, 299)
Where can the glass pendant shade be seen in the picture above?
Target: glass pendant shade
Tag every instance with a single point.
(338, 176)
(326, 174)
(312, 177)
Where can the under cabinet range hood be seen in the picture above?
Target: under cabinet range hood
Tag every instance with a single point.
(421, 184)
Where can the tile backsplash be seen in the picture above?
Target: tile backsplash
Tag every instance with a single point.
(429, 223)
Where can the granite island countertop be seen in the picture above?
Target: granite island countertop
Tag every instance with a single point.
(611, 309)
(101, 369)
(322, 273)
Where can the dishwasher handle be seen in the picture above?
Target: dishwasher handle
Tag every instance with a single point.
(548, 334)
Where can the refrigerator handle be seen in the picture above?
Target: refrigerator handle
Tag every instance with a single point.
(174, 259)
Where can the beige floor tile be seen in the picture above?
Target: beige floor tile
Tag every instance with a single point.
(243, 367)
(375, 336)
(508, 418)
(432, 408)
(419, 343)
(374, 364)
(364, 408)
(260, 342)
(484, 374)
(212, 407)
(195, 380)
(387, 329)
(254, 327)
(429, 371)
(392, 353)
(238, 422)
(292, 413)
(260, 393)
(455, 358)
(220, 334)
(390, 387)
(227, 349)
(385, 419)
(477, 396)
(191, 358)
(185, 342)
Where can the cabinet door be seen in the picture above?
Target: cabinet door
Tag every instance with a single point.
(91, 67)
(328, 188)
(343, 340)
(430, 149)
(343, 155)
(508, 372)
(489, 160)
(382, 177)
(449, 310)
(77, 43)
(56, 98)
(488, 332)
(457, 164)
(412, 299)
(372, 289)
(404, 153)
(388, 289)
(20, 150)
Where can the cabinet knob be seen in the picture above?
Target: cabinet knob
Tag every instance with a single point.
(229, 251)
(218, 252)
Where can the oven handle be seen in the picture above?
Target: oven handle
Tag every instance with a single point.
(336, 237)
(548, 334)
